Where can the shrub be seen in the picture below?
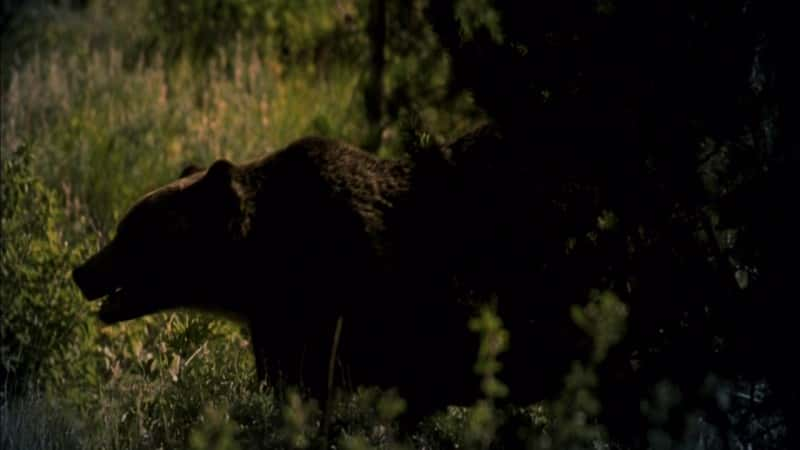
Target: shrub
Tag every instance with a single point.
(42, 311)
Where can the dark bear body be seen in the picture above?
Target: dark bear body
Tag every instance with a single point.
(293, 241)
(405, 251)
(402, 251)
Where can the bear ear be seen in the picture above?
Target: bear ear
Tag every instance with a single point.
(220, 171)
(190, 169)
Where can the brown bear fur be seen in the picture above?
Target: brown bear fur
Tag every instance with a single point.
(321, 230)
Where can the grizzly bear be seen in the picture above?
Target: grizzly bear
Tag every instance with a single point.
(319, 230)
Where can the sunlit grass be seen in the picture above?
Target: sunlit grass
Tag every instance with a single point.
(104, 133)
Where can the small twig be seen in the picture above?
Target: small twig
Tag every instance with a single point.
(331, 367)
(196, 352)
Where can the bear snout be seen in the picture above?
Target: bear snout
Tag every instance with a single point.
(89, 288)
(95, 277)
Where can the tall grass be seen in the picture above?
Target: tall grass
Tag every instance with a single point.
(31, 423)
(104, 133)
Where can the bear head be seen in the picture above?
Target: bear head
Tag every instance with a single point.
(168, 249)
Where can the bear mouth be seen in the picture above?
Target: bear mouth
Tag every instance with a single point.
(120, 300)
(112, 307)
(124, 304)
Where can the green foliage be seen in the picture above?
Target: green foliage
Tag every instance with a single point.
(120, 132)
(366, 418)
(299, 417)
(574, 414)
(478, 15)
(199, 28)
(42, 312)
(494, 341)
(31, 423)
(390, 406)
(214, 432)
(483, 419)
(603, 319)
(607, 221)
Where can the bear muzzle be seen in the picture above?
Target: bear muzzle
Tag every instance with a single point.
(119, 306)
(118, 303)
(90, 286)
(123, 298)
(95, 277)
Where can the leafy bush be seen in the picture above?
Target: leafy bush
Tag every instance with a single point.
(299, 29)
(42, 311)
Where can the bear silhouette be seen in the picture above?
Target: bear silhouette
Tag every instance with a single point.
(404, 251)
